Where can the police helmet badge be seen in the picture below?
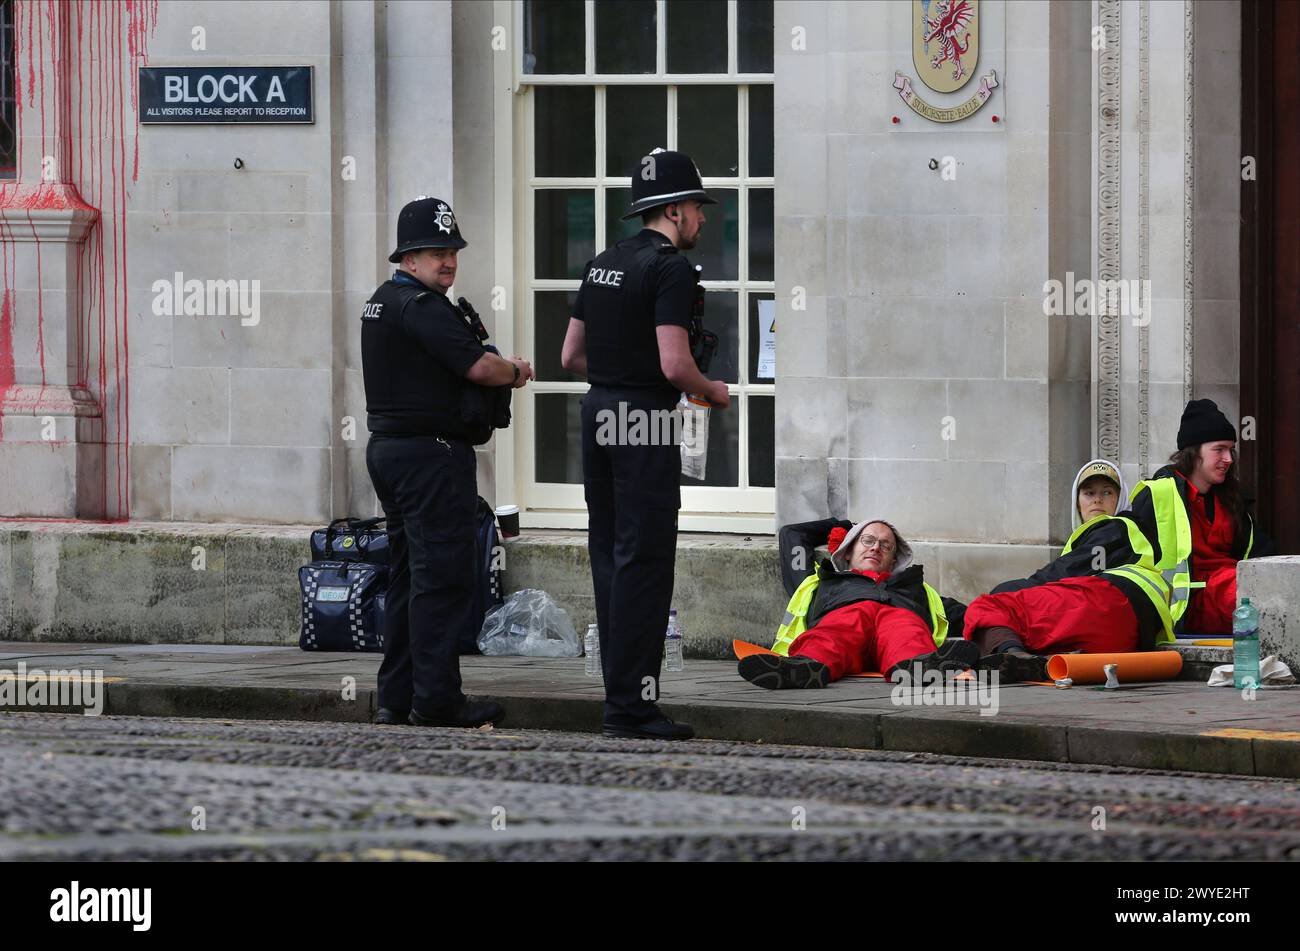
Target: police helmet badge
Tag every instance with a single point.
(444, 219)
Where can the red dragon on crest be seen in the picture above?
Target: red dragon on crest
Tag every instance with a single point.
(950, 18)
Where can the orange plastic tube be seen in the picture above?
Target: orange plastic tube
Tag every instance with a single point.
(1129, 668)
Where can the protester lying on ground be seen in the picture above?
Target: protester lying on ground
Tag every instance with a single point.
(1197, 518)
(865, 608)
(1102, 595)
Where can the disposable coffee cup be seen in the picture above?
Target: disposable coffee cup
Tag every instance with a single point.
(508, 520)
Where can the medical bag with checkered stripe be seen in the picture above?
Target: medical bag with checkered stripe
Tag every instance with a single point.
(344, 587)
(342, 606)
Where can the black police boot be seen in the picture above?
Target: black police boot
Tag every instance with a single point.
(656, 728)
(1016, 665)
(471, 713)
(391, 717)
(783, 673)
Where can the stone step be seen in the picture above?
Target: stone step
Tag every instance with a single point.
(203, 583)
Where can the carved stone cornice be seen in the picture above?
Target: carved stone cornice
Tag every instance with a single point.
(1189, 142)
(1144, 232)
(46, 214)
(1108, 226)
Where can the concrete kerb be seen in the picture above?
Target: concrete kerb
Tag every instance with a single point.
(929, 733)
(222, 702)
(1172, 751)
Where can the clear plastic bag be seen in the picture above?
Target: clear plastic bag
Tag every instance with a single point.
(529, 624)
(695, 435)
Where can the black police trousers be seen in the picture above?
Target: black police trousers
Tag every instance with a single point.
(428, 489)
(633, 493)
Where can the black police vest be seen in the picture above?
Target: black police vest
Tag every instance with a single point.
(618, 313)
(408, 392)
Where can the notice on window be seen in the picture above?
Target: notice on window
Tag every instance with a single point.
(766, 339)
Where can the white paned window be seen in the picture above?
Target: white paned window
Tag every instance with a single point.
(599, 84)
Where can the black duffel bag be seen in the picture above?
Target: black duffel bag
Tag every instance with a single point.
(345, 587)
(351, 539)
(342, 606)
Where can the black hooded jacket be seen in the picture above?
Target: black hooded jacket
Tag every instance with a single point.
(837, 589)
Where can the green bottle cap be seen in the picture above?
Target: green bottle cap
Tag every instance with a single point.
(1245, 601)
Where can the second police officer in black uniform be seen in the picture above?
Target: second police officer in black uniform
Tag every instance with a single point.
(629, 336)
(431, 390)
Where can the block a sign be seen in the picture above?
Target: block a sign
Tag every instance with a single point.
(192, 94)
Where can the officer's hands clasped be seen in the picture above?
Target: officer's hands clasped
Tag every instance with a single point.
(525, 371)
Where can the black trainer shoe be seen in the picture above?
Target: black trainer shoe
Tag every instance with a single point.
(391, 717)
(471, 713)
(1016, 666)
(774, 672)
(953, 656)
(659, 728)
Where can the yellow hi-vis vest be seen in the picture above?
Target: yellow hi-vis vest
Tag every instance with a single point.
(1174, 531)
(795, 621)
(1144, 573)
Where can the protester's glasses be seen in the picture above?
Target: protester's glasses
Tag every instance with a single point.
(870, 541)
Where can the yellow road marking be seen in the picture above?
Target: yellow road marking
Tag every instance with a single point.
(1292, 736)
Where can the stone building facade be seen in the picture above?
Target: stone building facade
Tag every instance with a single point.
(917, 375)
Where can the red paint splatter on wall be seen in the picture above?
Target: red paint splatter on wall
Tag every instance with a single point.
(79, 58)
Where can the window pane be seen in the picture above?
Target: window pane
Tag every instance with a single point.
(754, 36)
(636, 121)
(756, 339)
(558, 440)
(706, 128)
(551, 313)
(8, 93)
(721, 309)
(760, 131)
(719, 244)
(625, 36)
(762, 440)
(564, 231)
(696, 36)
(564, 125)
(617, 202)
(761, 226)
(555, 38)
(722, 467)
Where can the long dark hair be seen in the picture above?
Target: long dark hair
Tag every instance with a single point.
(1228, 493)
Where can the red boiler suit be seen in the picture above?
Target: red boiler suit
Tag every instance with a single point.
(1088, 614)
(866, 636)
(1209, 611)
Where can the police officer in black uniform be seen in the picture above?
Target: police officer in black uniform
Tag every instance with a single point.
(629, 336)
(428, 379)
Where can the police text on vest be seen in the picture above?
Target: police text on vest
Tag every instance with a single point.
(605, 277)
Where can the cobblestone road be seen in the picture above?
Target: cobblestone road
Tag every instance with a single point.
(126, 788)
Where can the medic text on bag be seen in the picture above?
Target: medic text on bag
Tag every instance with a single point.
(188, 94)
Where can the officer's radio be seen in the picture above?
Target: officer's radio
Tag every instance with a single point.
(475, 321)
(482, 408)
(704, 343)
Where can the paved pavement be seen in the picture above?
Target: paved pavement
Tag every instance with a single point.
(91, 788)
(1174, 726)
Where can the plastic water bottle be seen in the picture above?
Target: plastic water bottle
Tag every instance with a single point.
(673, 644)
(1245, 645)
(591, 647)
